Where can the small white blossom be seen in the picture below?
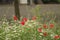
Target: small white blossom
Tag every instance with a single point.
(30, 25)
(31, 20)
(41, 33)
(14, 31)
(3, 22)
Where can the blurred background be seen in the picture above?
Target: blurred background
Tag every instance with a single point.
(25, 7)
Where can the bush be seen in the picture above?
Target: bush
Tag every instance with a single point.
(48, 1)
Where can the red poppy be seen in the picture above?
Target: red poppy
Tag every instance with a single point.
(59, 36)
(39, 29)
(45, 26)
(51, 25)
(22, 22)
(15, 18)
(56, 36)
(34, 18)
(24, 19)
(45, 34)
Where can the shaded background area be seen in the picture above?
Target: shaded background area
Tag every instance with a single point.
(6, 2)
(34, 1)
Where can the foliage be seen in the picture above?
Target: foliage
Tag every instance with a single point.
(58, 1)
(48, 1)
(44, 17)
(36, 10)
(28, 30)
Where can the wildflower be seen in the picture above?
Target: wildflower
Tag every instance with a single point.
(45, 34)
(22, 22)
(56, 37)
(41, 34)
(14, 31)
(39, 29)
(51, 25)
(45, 26)
(59, 36)
(24, 19)
(15, 18)
(34, 18)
